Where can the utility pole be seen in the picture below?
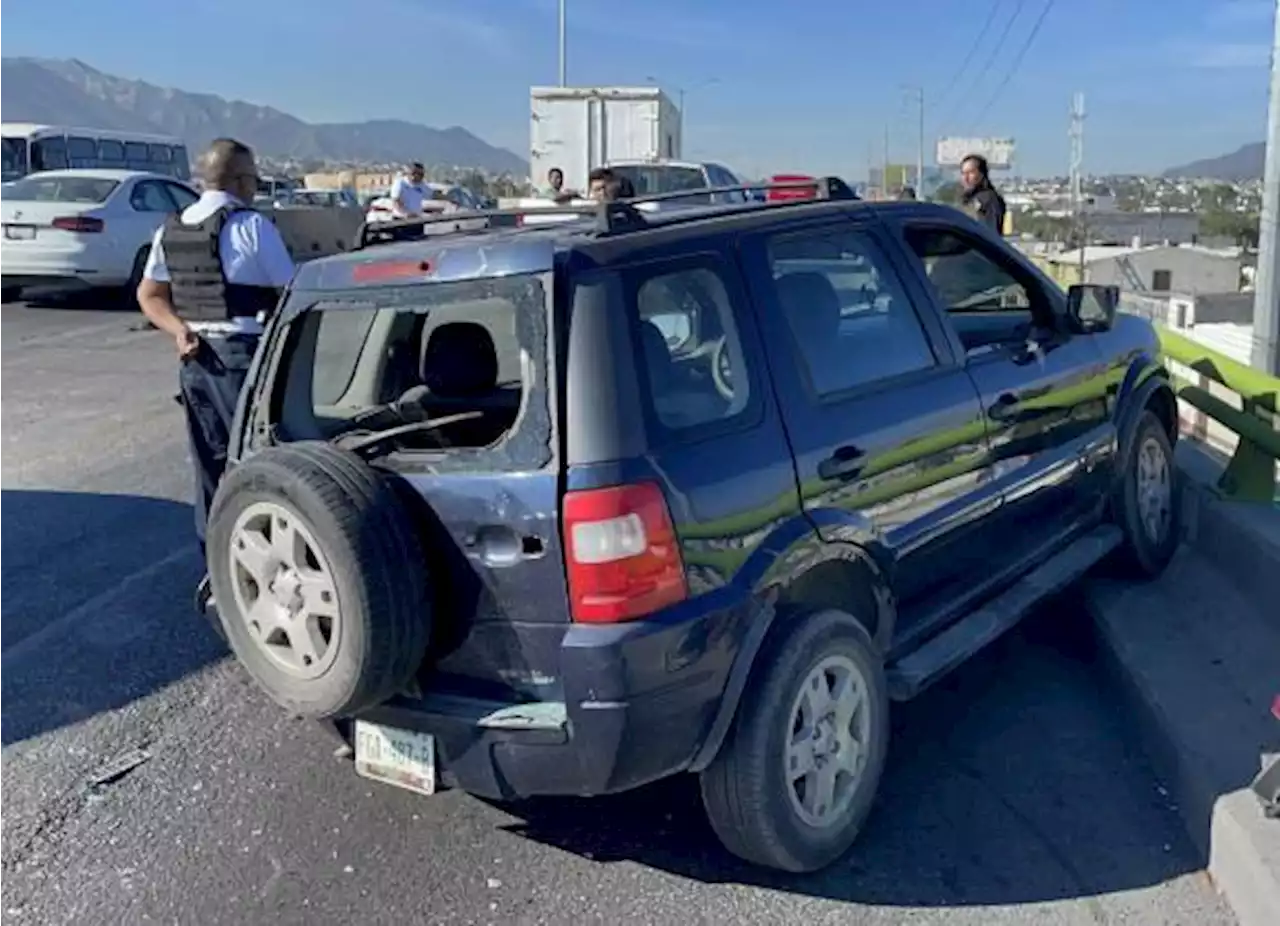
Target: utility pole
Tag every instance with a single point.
(564, 82)
(1076, 134)
(917, 95)
(1266, 297)
(884, 173)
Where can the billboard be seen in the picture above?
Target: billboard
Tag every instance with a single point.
(997, 151)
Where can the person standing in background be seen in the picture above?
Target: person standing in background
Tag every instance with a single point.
(980, 198)
(409, 192)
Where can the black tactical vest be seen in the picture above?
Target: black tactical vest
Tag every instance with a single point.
(199, 288)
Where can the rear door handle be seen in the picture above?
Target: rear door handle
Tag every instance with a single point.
(845, 463)
(1005, 408)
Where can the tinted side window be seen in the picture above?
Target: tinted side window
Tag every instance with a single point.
(111, 153)
(847, 310)
(181, 195)
(985, 302)
(150, 196)
(181, 168)
(49, 154)
(690, 349)
(160, 154)
(135, 153)
(82, 152)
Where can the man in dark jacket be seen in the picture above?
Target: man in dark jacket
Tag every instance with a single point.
(980, 198)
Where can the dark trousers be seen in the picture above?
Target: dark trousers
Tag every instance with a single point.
(210, 384)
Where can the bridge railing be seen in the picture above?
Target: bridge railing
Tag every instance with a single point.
(1247, 409)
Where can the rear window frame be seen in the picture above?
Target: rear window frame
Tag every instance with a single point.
(632, 276)
(32, 180)
(529, 445)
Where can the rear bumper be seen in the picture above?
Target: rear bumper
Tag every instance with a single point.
(639, 701)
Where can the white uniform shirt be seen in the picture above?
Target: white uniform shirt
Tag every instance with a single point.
(408, 196)
(253, 253)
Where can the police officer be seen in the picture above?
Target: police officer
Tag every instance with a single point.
(980, 198)
(213, 276)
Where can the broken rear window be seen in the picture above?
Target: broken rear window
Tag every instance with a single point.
(455, 369)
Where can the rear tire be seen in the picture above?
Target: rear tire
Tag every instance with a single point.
(1147, 505)
(793, 784)
(320, 581)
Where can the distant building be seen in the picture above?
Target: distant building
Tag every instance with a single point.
(1155, 269)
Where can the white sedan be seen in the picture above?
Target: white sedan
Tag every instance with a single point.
(68, 230)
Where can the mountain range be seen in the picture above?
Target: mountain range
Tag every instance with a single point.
(1243, 164)
(70, 92)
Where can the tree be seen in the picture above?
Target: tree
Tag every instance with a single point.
(1242, 228)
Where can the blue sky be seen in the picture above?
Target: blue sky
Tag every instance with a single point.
(1165, 81)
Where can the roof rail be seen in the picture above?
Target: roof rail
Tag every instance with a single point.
(823, 187)
(610, 218)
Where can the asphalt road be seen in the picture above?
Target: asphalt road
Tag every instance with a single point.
(146, 781)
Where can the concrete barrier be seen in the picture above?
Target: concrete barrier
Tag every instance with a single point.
(1197, 658)
(316, 231)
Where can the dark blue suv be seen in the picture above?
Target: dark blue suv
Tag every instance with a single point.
(567, 508)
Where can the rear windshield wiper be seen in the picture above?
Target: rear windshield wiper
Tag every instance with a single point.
(359, 442)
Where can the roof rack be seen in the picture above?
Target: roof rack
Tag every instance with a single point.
(610, 218)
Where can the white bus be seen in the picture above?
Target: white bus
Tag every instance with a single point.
(29, 148)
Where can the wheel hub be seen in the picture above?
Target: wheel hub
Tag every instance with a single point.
(828, 731)
(286, 588)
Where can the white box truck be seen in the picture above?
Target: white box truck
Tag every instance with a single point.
(580, 128)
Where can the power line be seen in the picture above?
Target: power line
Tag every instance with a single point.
(973, 50)
(995, 51)
(1017, 60)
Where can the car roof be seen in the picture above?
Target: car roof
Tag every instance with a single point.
(532, 248)
(637, 162)
(102, 173)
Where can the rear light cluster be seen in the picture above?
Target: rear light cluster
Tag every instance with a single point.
(78, 223)
(623, 559)
(791, 193)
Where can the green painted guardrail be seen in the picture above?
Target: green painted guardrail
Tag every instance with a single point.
(1250, 474)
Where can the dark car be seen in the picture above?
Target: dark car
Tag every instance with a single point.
(566, 509)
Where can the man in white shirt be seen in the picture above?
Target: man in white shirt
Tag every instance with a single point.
(213, 276)
(409, 192)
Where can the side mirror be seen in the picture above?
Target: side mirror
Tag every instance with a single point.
(1092, 307)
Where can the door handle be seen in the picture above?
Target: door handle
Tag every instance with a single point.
(1005, 408)
(845, 463)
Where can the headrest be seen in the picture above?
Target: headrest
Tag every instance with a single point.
(459, 360)
(811, 302)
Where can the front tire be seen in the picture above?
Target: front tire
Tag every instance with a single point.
(1146, 505)
(793, 784)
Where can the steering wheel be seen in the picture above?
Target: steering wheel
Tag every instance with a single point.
(722, 369)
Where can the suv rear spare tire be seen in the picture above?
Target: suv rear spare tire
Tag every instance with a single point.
(320, 579)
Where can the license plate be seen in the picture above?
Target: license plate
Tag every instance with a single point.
(19, 232)
(404, 758)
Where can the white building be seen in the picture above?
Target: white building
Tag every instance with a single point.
(1158, 268)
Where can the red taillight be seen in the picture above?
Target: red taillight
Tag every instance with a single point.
(78, 223)
(791, 193)
(622, 555)
(390, 270)
(1275, 708)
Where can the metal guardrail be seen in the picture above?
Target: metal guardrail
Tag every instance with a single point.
(1250, 473)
